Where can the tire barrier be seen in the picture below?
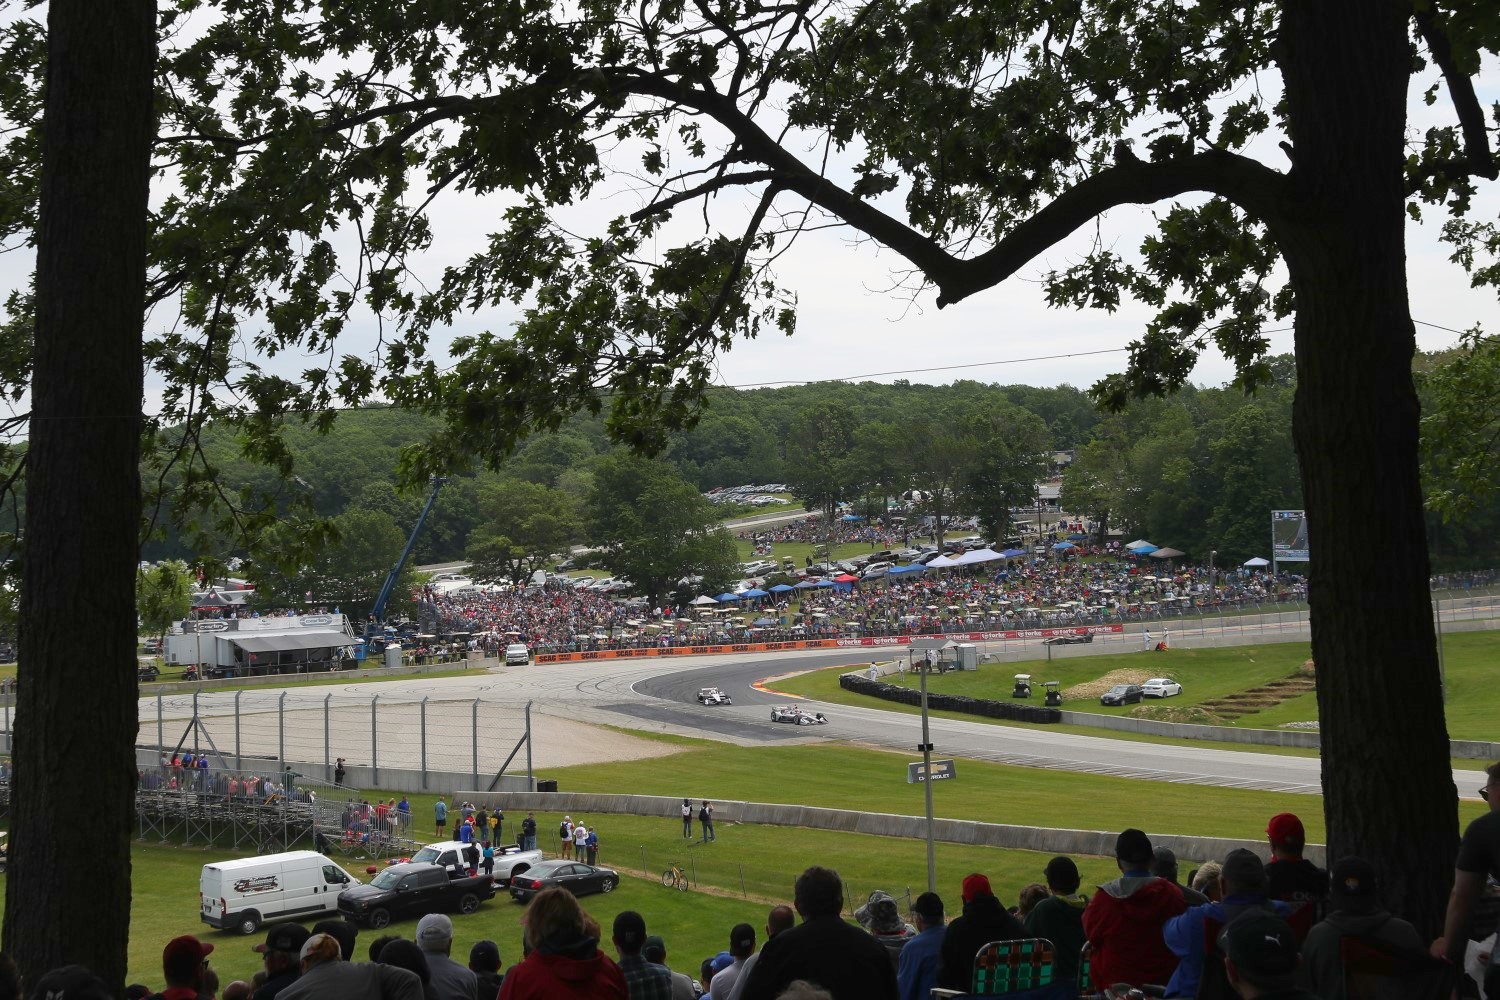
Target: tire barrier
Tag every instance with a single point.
(950, 702)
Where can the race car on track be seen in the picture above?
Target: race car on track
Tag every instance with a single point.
(1067, 640)
(797, 717)
(712, 696)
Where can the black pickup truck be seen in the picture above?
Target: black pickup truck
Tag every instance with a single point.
(413, 890)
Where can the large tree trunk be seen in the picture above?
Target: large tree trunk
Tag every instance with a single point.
(1388, 789)
(76, 712)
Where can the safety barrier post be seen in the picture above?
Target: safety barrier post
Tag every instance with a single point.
(375, 743)
(474, 735)
(195, 725)
(530, 777)
(326, 755)
(423, 712)
(239, 761)
(281, 728)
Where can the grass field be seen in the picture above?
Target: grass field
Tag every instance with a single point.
(1205, 674)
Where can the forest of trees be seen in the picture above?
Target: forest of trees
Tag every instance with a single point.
(1198, 470)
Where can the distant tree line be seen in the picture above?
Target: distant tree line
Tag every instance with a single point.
(1198, 470)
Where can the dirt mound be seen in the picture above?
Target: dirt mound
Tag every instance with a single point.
(1258, 699)
(1192, 714)
(1094, 688)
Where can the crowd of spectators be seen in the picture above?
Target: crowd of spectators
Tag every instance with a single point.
(1016, 594)
(1277, 929)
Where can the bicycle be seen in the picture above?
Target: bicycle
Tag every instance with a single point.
(675, 878)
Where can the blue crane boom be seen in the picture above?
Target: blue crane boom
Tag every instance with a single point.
(377, 612)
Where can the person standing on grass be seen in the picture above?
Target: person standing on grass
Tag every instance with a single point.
(706, 818)
(565, 836)
(528, 833)
(440, 815)
(580, 841)
(593, 845)
(489, 858)
(687, 819)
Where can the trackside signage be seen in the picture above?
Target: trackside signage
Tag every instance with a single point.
(917, 772)
(862, 643)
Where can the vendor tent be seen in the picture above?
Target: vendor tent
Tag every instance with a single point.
(781, 588)
(1257, 561)
(941, 562)
(1167, 553)
(1139, 543)
(755, 592)
(729, 597)
(974, 556)
(699, 602)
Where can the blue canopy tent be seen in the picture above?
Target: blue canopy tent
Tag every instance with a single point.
(1141, 550)
(854, 517)
(826, 583)
(1078, 538)
(728, 597)
(755, 592)
(903, 570)
(1013, 553)
(781, 588)
(1063, 546)
(805, 585)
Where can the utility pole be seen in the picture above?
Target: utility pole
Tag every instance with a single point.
(927, 781)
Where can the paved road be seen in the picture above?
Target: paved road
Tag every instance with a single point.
(662, 695)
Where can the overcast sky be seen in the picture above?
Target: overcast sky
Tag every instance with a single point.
(850, 325)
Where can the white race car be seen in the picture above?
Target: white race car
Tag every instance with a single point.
(712, 696)
(795, 716)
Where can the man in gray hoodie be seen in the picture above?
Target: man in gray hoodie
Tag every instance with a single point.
(1354, 903)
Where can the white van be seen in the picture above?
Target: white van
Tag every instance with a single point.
(248, 892)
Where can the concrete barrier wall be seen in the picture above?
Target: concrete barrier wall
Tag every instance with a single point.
(1462, 749)
(953, 831)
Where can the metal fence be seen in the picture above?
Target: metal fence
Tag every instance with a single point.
(396, 742)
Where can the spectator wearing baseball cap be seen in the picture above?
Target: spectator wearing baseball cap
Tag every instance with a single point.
(780, 918)
(450, 981)
(1164, 865)
(917, 969)
(1354, 910)
(345, 932)
(76, 982)
(484, 962)
(1289, 876)
(1260, 958)
(326, 976)
(1059, 917)
(280, 952)
(645, 980)
(741, 947)
(183, 962)
(1242, 891)
(1123, 922)
(655, 952)
(984, 919)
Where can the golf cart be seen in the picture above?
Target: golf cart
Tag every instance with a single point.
(1054, 694)
(1023, 686)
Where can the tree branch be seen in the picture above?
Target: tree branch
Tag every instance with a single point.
(1254, 187)
(1461, 91)
(707, 187)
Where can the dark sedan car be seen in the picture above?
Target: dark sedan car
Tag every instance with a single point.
(1122, 694)
(577, 878)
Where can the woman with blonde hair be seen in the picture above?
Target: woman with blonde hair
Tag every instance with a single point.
(562, 955)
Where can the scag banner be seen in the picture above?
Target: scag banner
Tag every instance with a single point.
(870, 642)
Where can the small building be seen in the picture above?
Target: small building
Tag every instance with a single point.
(273, 645)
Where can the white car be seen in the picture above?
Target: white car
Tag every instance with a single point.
(1161, 687)
(509, 861)
(516, 654)
(713, 696)
(795, 716)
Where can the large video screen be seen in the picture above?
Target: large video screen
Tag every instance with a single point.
(1289, 536)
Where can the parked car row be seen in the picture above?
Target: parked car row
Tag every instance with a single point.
(246, 894)
(1130, 694)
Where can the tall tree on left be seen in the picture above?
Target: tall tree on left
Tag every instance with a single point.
(76, 715)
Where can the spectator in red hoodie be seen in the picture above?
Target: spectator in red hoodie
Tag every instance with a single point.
(1124, 920)
(563, 958)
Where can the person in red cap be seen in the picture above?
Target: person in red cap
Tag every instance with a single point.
(984, 919)
(1289, 876)
(183, 962)
(1125, 918)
